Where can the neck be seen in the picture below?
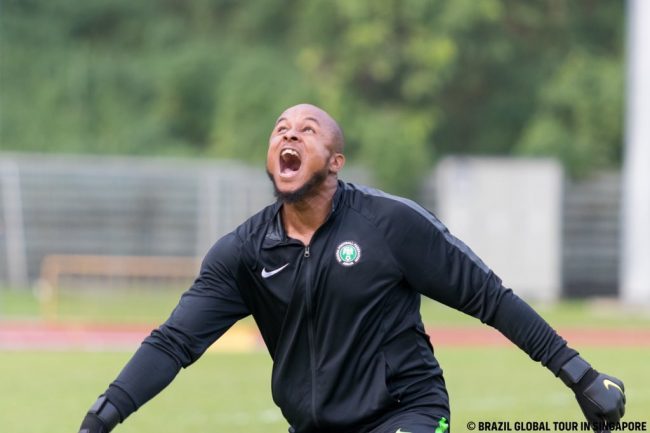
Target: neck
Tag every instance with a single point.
(301, 219)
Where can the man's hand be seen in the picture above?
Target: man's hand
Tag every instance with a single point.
(101, 417)
(601, 397)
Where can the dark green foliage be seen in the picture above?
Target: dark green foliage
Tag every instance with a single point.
(409, 80)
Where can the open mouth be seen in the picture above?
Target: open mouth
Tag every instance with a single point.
(289, 161)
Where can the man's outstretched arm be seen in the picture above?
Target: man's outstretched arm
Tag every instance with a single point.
(441, 267)
(204, 313)
(601, 397)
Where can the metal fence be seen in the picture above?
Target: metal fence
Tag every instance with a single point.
(116, 206)
(591, 235)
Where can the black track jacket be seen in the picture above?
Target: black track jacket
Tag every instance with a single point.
(340, 317)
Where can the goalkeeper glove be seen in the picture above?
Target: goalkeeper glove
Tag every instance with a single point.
(601, 397)
(102, 417)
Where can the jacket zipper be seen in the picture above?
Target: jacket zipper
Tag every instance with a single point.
(310, 333)
(311, 338)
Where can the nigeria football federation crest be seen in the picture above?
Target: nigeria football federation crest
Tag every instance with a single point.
(348, 253)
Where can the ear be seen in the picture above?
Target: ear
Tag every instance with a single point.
(337, 161)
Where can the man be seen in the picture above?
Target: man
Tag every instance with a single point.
(332, 274)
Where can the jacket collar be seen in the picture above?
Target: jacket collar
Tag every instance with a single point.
(275, 233)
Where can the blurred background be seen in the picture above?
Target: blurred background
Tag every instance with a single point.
(133, 135)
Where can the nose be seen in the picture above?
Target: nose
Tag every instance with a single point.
(290, 135)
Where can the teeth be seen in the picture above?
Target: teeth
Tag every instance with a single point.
(289, 152)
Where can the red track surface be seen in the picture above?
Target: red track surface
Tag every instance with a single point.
(69, 336)
(575, 336)
(24, 335)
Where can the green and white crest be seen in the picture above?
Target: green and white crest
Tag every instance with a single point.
(348, 253)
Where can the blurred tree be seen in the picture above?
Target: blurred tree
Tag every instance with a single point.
(578, 117)
(409, 80)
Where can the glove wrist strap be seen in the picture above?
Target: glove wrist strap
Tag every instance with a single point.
(106, 412)
(574, 370)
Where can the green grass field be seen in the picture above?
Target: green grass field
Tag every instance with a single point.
(50, 391)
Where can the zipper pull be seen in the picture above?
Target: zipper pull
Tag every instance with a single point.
(307, 251)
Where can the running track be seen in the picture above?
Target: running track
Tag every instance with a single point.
(58, 336)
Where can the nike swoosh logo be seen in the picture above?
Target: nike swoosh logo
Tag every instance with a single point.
(607, 383)
(266, 274)
(399, 430)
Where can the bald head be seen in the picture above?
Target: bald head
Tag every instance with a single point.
(323, 118)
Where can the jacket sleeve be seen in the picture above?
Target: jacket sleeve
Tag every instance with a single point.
(204, 313)
(443, 268)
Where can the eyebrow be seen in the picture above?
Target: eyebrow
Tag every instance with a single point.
(306, 118)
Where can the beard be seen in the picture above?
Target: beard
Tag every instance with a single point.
(307, 189)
